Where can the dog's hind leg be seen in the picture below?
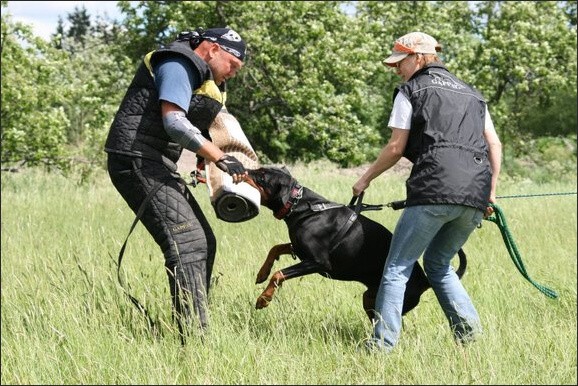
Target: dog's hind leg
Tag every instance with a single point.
(274, 253)
(463, 263)
(415, 287)
(369, 303)
(305, 267)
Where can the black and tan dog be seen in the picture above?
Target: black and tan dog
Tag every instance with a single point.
(329, 239)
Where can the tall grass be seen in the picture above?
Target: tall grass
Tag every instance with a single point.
(66, 320)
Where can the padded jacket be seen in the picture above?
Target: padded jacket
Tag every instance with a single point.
(446, 141)
(137, 129)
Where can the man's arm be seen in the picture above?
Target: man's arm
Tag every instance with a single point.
(190, 137)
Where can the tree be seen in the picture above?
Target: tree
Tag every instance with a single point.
(57, 104)
(523, 66)
(300, 96)
(79, 24)
(80, 27)
(33, 128)
(315, 88)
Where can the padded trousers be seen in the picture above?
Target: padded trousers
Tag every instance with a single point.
(176, 222)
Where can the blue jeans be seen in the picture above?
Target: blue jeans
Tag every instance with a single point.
(437, 231)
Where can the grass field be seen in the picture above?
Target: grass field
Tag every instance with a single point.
(66, 320)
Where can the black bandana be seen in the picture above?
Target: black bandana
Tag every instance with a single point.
(228, 39)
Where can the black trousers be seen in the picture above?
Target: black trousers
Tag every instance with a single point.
(177, 224)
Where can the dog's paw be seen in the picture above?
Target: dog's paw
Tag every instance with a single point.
(263, 301)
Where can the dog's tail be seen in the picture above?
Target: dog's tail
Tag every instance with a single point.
(463, 263)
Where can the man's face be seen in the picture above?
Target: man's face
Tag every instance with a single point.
(223, 65)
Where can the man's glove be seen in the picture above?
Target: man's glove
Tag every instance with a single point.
(230, 165)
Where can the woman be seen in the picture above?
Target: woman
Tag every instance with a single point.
(443, 126)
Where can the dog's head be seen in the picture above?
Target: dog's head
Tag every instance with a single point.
(273, 183)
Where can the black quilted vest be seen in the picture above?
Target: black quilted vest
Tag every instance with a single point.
(446, 141)
(137, 128)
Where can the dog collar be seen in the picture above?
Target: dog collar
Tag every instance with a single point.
(294, 197)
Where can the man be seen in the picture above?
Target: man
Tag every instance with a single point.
(443, 126)
(174, 97)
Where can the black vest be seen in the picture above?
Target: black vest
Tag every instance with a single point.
(137, 128)
(446, 141)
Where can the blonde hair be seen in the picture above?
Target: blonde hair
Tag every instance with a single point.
(431, 58)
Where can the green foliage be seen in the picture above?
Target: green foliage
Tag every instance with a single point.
(33, 122)
(313, 86)
(58, 98)
(149, 24)
(556, 116)
(299, 96)
(92, 97)
(80, 24)
(524, 64)
(551, 159)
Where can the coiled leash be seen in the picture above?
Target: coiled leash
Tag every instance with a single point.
(500, 219)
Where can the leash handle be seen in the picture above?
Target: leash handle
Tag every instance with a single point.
(357, 205)
(360, 206)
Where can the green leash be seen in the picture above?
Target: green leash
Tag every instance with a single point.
(500, 219)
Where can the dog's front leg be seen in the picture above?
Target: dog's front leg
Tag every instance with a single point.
(267, 295)
(302, 268)
(274, 253)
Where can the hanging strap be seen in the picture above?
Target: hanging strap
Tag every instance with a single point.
(352, 218)
(139, 214)
(500, 219)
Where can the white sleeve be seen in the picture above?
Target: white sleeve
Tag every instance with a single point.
(488, 124)
(400, 117)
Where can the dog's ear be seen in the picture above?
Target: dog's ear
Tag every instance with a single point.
(281, 168)
(278, 168)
